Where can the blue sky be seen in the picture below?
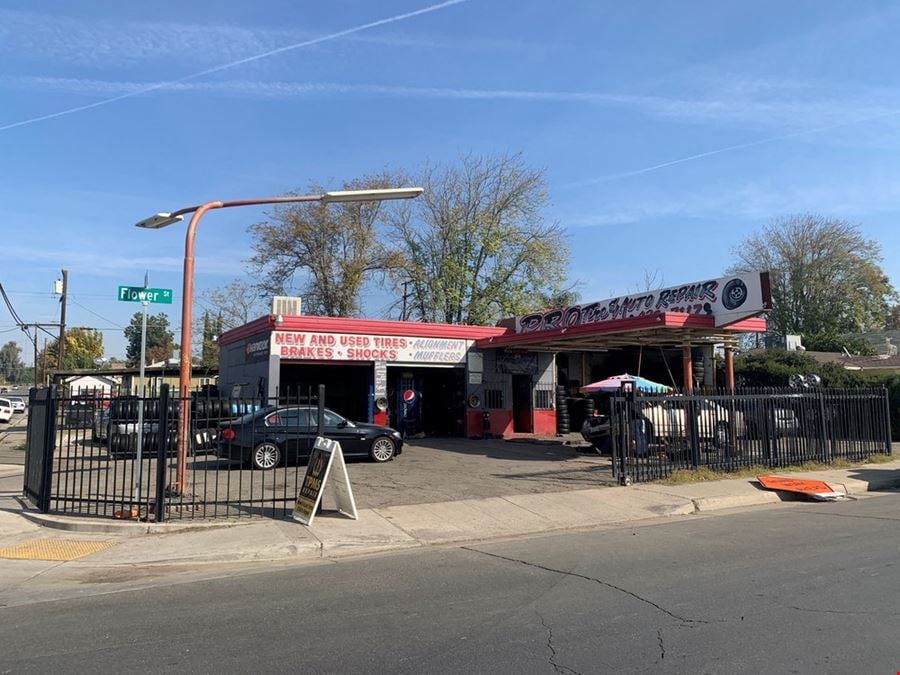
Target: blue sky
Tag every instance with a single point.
(668, 131)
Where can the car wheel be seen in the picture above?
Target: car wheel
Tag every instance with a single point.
(265, 456)
(382, 449)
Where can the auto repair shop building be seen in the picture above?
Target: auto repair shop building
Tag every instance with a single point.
(439, 379)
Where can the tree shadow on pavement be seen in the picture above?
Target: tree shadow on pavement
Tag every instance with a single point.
(878, 479)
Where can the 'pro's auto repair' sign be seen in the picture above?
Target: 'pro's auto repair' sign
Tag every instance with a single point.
(314, 346)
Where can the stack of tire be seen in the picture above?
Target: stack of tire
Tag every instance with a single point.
(208, 413)
(563, 419)
(124, 410)
(587, 408)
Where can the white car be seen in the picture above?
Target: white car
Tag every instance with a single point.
(6, 410)
(18, 404)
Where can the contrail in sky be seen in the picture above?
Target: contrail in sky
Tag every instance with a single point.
(249, 59)
(730, 148)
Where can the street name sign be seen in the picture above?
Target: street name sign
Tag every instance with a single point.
(159, 296)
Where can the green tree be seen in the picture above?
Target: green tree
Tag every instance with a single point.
(774, 367)
(825, 276)
(209, 348)
(83, 346)
(11, 365)
(328, 251)
(893, 318)
(476, 246)
(160, 339)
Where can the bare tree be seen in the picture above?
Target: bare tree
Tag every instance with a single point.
(476, 247)
(825, 275)
(234, 304)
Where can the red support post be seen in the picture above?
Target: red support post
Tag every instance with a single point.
(729, 368)
(688, 366)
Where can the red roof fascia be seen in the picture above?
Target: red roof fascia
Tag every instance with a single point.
(651, 321)
(324, 324)
(260, 325)
(756, 324)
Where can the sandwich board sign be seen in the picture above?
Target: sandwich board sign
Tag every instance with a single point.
(325, 463)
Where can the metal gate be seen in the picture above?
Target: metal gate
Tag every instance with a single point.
(39, 446)
(655, 435)
(118, 457)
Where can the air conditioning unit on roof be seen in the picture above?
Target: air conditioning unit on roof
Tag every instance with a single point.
(285, 305)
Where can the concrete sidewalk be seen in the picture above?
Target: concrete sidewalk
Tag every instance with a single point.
(129, 544)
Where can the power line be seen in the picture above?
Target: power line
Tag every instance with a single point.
(99, 316)
(9, 306)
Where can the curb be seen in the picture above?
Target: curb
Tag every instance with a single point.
(338, 544)
(126, 528)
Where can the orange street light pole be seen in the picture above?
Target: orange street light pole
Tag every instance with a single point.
(161, 220)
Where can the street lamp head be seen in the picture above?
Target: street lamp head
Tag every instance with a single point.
(159, 220)
(372, 195)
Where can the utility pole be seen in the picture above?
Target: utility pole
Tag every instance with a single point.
(44, 363)
(61, 347)
(35, 367)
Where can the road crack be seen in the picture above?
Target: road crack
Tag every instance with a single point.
(662, 645)
(683, 619)
(844, 612)
(552, 660)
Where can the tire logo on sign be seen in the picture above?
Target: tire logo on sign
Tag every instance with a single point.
(734, 294)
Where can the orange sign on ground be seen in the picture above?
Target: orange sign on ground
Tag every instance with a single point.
(814, 488)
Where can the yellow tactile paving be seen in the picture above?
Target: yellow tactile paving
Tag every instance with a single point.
(54, 549)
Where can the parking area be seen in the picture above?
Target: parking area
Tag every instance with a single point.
(447, 469)
(87, 480)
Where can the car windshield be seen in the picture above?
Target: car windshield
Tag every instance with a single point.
(332, 419)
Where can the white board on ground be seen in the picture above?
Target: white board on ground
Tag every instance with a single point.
(325, 453)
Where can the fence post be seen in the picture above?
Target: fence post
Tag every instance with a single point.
(49, 443)
(161, 453)
(320, 420)
(691, 423)
(822, 431)
(627, 403)
(887, 421)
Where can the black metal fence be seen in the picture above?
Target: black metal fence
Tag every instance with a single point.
(655, 435)
(119, 457)
(39, 446)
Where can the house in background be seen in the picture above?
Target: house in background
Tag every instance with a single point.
(880, 364)
(92, 384)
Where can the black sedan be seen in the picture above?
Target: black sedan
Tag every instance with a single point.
(272, 436)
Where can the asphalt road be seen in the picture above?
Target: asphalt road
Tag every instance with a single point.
(799, 588)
